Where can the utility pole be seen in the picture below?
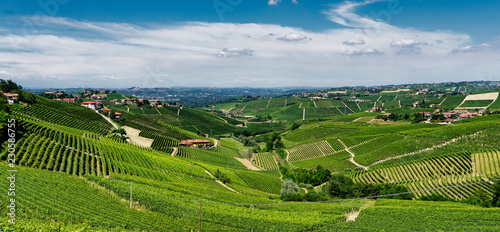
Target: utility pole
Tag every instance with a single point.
(109, 184)
(199, 229)
(130, 194)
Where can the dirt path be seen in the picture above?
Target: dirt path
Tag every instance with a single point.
(304, 114)
(426, 149)
(247, 164)
(244, 107)
(442, 101)
(315, 106)
(158, 111)
(357, 103)
(352, 215)
(108, 119)
(220, 182)
(220, 118)
(269, 102)
(352, 157)
(174, 152)
(135, 139)
(216, 142)
(356, 119)
(128, 109)
(348, 107)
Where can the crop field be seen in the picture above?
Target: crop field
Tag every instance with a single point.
(265, 161)
(394, 215)
(220, 155)
(452, 102)
(476, 103)
(193, 120)
(337, 162)
(260, 181)
(66, 114)
(439, 171)
(310, 151)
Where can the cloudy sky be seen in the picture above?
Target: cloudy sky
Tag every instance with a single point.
(257, 43)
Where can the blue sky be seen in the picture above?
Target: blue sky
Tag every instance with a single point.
(260, 43)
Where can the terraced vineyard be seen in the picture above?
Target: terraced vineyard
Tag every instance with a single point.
(441, 171)
(220, 155)
(260, 181)
(265, 161)
(310, 151)
(337, 162)
(65, 114)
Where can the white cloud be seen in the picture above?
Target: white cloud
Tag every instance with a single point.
(74, 53)
(229, 52)
(408, 46)
(368, 51)
(292, 37)
(276, 2)
(476, 48)
(353, 42)
(273, 2)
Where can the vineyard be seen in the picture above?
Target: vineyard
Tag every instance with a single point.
(337, 162)
(219, 155)
(265, 161)
(440, 171)
(394, 215)
(65, 114)
(310, 151)
(75, 172)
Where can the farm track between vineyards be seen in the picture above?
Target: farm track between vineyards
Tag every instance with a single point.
(426, 149)
(352, 157)
(220, 182)
(108, 119)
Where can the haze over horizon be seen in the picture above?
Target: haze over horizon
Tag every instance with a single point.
(265, 43)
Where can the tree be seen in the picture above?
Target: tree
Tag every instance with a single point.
(290, 191)
(9, 86)
(496, 198)
(480, 197)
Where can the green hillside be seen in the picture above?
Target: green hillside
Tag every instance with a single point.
(74, 171)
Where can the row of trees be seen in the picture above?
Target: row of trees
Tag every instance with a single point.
(415, 117)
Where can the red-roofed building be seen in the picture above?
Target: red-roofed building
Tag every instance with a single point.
(12, 98)
(118, 115)
(69, 100)
(89, 104)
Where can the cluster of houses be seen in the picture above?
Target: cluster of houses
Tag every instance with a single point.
(130, 101)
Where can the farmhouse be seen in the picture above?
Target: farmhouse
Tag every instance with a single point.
(127, 101)
(194, 143)
(12, 98)
(118, 115)
(89, 104)
(69, 100)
